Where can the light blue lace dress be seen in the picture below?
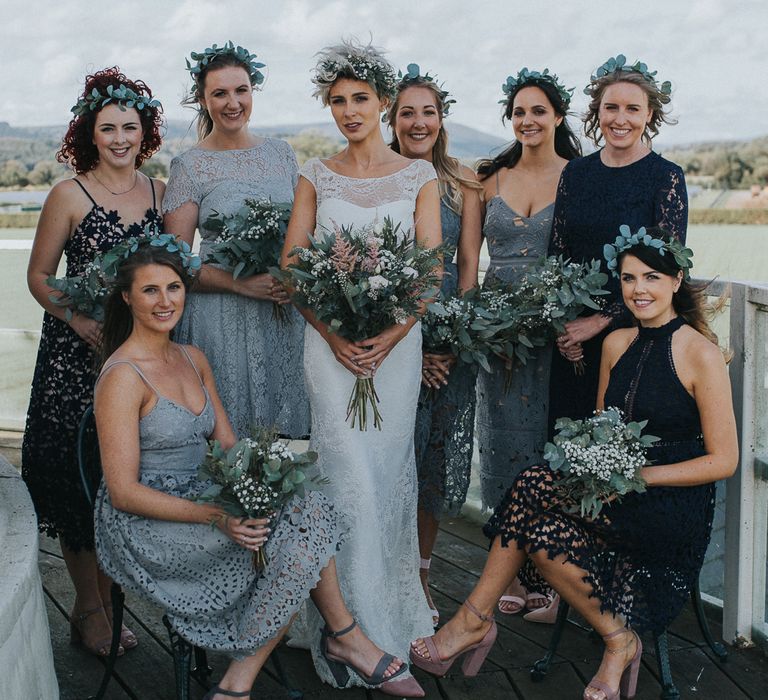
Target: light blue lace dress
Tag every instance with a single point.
(204, 582)
(257, 362)
(445, 418)
(512, 426)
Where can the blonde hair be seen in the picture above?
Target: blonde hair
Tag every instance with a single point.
(656, 102)
(449, 177)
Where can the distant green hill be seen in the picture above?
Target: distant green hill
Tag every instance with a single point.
(30, 144)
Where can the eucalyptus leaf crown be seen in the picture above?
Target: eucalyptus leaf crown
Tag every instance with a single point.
(365, 64)
(626, 239)
(110, 261)
(413, 75)
(122, 96)
(618, 64)
(248, 59)
(525, 77)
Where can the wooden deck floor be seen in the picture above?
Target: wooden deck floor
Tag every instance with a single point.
(146, 673)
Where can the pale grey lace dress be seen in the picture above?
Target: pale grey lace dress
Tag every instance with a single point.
(512, 426)
(445, 418)
(256, 361)
(206, 583)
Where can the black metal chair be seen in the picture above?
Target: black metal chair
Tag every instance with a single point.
(89, 461)
(669, 691)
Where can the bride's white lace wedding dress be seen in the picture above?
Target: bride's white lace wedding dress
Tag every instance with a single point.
(372, 474)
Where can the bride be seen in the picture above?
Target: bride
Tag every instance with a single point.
(372, 474)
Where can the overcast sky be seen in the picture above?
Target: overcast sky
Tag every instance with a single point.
(713, 51)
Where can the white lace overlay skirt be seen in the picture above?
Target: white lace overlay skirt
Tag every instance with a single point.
(373, 487)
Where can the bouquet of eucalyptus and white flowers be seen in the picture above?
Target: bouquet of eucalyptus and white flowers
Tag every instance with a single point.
(250, 241)
(254, 478)
(360, 281)
(554, 292)
(451, 325)
(500, 329)
(598, 459)
(85, 294)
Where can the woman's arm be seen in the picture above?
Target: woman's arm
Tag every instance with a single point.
(671, 204)
(703, 369)
(471, 236)
(58, 218)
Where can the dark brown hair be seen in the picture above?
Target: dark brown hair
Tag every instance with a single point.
(77, 148)
(118, 320)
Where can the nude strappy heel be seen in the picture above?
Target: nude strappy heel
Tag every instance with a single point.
(628, 683)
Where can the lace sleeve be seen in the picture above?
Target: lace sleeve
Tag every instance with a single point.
(557, 241)
(425, 172)
(309, 171)
(181, 188)
(671, 203)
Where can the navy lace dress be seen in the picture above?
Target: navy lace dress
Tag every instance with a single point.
(643, 554)
(445, 418)
(62, 388)
(593, 200)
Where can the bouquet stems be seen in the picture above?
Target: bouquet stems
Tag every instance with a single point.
(260, 559)
(363, 393)
(579, 367)
(280, 313)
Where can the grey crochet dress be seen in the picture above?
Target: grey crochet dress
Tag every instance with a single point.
(512, 426)
(257, 362)
(206, 583)
(445, 418)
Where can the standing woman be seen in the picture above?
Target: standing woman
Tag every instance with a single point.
(256, 359)
(372, 474)
(116, 127)
(623, 183)
(445, 416)
(519, 190)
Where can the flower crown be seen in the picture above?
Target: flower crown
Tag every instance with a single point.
(248, 59)
(619, 64)
(374, 72)
(122, 96)
(626, 239)
(413, 74)
(524, 76)
(111, 260)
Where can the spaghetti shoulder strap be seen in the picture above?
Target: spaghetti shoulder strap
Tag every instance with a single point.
(497, 182)
(194, 367)
(135, 367)
(154, 200)
(87, 193)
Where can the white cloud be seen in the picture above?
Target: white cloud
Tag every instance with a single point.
(712, 50)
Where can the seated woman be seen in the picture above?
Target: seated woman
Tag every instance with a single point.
(632, 566)
(156, 404)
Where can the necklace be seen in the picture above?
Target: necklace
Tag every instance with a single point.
(117, 194)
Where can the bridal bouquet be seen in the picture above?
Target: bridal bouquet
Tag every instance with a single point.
(360, 281)
(599, 458)
(254, 478)
(249, 241)
(554, 292)
(453, 326)
(85, 294)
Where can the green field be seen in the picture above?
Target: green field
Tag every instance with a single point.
(728, 252)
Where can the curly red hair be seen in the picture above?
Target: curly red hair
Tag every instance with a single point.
(77, 148)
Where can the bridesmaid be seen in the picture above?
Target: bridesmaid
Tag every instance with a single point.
(624, 182)
(519, 190)
(107, 201)
(445, 415)
(257, 361)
